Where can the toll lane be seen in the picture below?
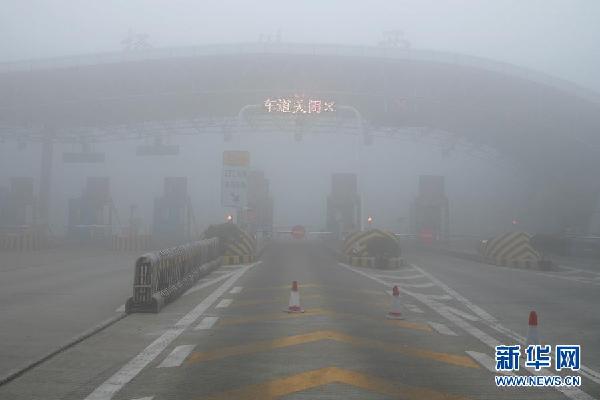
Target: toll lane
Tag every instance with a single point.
(341, 346)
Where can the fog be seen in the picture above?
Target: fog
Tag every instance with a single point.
(419, 176)
(553, 36)
(486, 191)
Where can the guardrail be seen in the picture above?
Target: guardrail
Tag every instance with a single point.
(161, 276)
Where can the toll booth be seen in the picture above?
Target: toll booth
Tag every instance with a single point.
(91, 215)
(173, 214)
(343, 205)
(430, 211)
(17, 204)
(19, 223)
(258, 216)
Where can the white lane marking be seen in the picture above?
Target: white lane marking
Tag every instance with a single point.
(234, 266)
(401, 277)
(236, 290)
(177, 356)
(572, 393)
(493, 323)
(206, 323)
(439, 296)
(224, 303)
(130, 370)
(416, 285)
(487, 362)
(121, 308)
(441, 328)
(413, 308)
(461, 313)
(207, 283)
(145, 398)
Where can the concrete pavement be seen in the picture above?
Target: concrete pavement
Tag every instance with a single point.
(229, 337)
(49, 296)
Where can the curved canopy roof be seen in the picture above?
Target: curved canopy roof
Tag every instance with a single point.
(520, 113)
(546, 125)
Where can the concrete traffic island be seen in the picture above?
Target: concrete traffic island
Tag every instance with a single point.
(373, 248)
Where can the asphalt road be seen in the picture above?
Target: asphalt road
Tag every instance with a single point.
(229, 337)
(48, 297)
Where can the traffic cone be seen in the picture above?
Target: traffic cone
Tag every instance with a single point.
(532, 332)
(294, 306)
(395, 312)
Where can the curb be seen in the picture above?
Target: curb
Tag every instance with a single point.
(14, 374)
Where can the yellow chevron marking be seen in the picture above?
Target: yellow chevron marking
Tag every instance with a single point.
(256, 347)
(277, 388)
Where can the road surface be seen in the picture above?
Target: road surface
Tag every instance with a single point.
(229, 336)
(48, 297)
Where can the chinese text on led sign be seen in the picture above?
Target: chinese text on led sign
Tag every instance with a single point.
(298, 105)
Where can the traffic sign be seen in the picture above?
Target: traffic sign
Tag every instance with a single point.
(298, 232)
(234, 180)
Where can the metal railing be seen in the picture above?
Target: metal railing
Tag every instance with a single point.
(163, 275)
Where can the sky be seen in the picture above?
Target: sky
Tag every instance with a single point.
(558, 37)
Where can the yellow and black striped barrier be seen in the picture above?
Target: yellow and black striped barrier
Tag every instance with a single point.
(512, 249)
(358, 246)
(356, 243)
(362, 262)
(240, 251)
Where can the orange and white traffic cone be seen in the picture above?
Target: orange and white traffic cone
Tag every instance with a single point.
(395, 311)
(532, 332)
(294, 306)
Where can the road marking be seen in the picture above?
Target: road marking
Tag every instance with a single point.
(281, 387)
(207, 283)
(489, 320)
(177, 356)
(443, 297)
(121, 308)
(206, 323)
(317, 336)
(441, 328)
(416, 285)
(236, 290)
(413, 308)
(461, 313)
(145, 398)
(487, 362)
(493, 323)
(224, 303)
(130, 370)
(401, 277)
